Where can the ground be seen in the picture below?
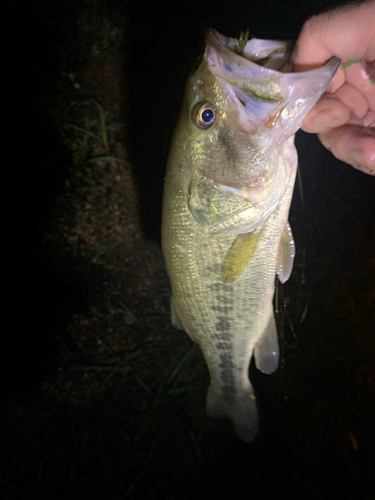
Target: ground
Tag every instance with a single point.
(104, 399)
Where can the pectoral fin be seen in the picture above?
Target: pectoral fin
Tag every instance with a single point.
(266, 351)
(285, 255)
(239, 256)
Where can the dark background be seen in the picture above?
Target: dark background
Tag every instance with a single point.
(161, 45)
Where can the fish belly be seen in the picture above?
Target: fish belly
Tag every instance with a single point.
(227, 320)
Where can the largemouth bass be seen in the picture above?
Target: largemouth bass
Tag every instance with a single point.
(227, 193)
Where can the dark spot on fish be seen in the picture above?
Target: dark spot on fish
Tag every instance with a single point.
(223, 325)
(222, 309)
(227, 146)
(225, 299)
(226, 359)
(228, 390)
(227, 377)
(223, 345)
(220, 287)
(225, 337)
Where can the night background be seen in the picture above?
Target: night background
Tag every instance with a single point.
(100, 396)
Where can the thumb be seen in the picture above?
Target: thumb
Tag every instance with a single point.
(347, 32)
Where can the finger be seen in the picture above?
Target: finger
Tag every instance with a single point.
(358, 77)
(352, 144)
(353, 99)
(327, 113)
(370, 68)
(346, 32)
(336, 82)
(369, 119)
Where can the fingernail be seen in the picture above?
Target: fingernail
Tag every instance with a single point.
(358, 160)
(356, 156)
(328, 118)
(360, 167)
(325, 143)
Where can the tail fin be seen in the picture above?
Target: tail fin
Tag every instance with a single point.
(241, 410)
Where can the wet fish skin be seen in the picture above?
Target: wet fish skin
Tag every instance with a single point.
(225, 229)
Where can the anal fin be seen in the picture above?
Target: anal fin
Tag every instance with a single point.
(266, 351)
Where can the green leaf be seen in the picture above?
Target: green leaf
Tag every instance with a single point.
(81, 129)
(242, 41)
(102, 125)
(350, 63)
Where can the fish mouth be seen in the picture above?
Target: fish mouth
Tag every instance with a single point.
(259, 90)
(259, 58)
(265, 57)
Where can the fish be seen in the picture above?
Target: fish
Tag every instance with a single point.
(227, 192)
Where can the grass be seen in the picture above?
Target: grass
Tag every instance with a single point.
(102, 252)
(88, 132)
(157, 381)
(165, 386)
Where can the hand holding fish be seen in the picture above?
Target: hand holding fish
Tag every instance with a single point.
(344, 117)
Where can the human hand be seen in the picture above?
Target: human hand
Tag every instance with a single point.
(344, 117)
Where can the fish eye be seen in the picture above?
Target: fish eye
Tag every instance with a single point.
(204, 116)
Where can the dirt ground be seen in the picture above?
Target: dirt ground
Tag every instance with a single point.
(102, 397)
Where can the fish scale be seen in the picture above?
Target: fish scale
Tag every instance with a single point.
(225, 232)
